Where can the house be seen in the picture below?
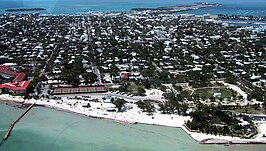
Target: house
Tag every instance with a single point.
(244, 123)
(124, 76)
(263, 82)
(217, 94)
(254, 78)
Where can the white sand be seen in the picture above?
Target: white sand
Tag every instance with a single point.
(154, 93)
(11, 98)
(262, 130)
(135, 115)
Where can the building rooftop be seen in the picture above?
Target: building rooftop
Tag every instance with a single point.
(6, 70)
(71, 90)
(16, 86)
(20, 77)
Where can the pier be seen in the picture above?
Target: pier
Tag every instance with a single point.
(11, 126)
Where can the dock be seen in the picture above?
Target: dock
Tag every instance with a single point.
(11, 126)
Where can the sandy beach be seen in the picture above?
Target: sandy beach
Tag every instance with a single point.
(134, 116)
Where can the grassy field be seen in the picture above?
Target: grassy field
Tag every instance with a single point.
(208, 92)
(249, 110)
(133, 88)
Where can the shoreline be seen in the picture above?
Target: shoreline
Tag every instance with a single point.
(200, 138)
(24, 9)
(80, 114)
(176, 9)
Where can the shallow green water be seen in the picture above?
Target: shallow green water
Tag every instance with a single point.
(45, 129)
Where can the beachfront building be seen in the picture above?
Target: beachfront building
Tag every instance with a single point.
(17, 85)
(77, 90)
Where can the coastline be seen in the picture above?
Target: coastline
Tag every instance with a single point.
(25, 9)
(173, 121)
(176, 9)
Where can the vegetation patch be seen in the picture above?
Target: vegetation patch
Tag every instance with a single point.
(212, 120)
(132, 88)
(207, 93)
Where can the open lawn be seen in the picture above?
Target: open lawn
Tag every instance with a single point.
(209, 92)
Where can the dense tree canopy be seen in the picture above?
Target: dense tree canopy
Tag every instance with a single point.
(119, 103)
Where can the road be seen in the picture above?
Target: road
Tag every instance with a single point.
(238, 90)
(43, 71)
(156, 67)
(96, 71)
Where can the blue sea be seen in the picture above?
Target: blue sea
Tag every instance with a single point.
(237, 7)
(44, 129)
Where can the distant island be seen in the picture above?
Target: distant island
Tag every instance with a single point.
(25, 9)
(174, 9)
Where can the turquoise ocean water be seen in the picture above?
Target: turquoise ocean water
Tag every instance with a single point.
(239, 7)
(50, 130)
(44, 129)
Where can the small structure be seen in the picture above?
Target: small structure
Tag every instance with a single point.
(85, 104)
(124, 76)
(107, 100)
(110, 109)
(244, 123)
(217, 94)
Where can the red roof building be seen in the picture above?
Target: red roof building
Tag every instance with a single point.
(17, 86)
(19, 77)
(86, 89)
(124, 76)
(4, 70)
